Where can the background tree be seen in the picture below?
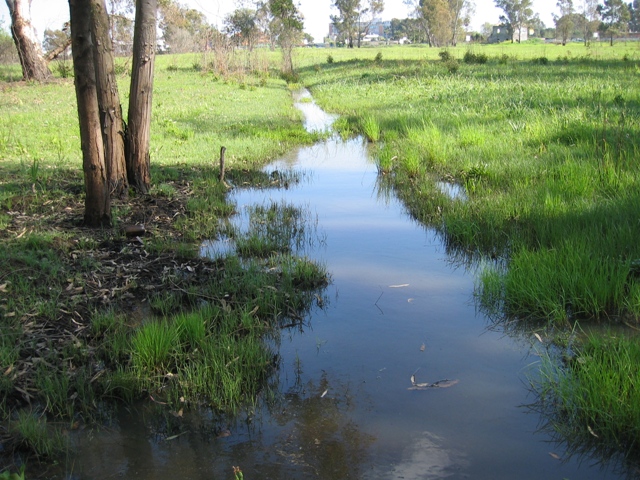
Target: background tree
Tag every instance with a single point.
(355, 18)
(34, 65)
(486, 30)
(97, 200)
(516, 15)
(287, 25)
(420, 22)
(121, 25)
(397, 29)
(346, 22)
(243, 27)
(8, 52)
(589, 10)
(460, 12)
(140, 96)
(615, 18)
(565, 21)
(634, 16)
(56, 42)
(263, 22)
(441, 21)
(366, 14)
(539, 28)
(183, 29)
(437, 17)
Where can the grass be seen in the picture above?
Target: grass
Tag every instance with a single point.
(545, 153)
(590, 397)
(545, 150)
(190, 333)
(35, 434)
(216, 354)
(544, 141)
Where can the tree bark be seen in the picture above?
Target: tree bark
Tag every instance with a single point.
(140, 95)
(32, 61)
(97, 201)
(108, 102)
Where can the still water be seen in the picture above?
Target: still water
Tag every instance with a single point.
(397, 306)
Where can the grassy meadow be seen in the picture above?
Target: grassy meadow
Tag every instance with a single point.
(543, 138)
(88, 317)
(545, 141)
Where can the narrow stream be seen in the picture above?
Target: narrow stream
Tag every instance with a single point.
(397, 306)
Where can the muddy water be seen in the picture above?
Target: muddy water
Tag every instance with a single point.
(397, 306)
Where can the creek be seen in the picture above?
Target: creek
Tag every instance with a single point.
(398, 306)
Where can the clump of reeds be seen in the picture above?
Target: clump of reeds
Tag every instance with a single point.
(591, 396)
(371, 128)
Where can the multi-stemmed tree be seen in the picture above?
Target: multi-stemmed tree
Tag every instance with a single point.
(102, 133)
(354, 18)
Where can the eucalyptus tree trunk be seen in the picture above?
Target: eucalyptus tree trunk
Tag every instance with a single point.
(34, 66)
(108, 101)
(140, 95)
(97, 202)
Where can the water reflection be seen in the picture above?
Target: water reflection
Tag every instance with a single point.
(315, 119)
(308, 433)
(426, 459)
(394, 292)
(319, 435)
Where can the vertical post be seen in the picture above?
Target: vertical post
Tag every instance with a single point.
(222, 150)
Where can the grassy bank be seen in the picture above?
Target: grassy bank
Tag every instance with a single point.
(88, 317)
(544, 141)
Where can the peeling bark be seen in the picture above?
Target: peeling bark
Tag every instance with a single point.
(34, 66)
(108, 101)
(140, 97)
(97, 200)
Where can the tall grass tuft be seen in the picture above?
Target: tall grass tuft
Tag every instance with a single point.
(35, 434)
(371, 128)
(592, 396)
(153, 347)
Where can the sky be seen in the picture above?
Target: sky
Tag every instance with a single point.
(53, 13)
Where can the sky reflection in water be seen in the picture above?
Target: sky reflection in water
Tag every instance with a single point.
(397, 306)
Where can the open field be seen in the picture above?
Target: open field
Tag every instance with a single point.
(543, 138)
(545, 146)
(89, 316)
(545, 141)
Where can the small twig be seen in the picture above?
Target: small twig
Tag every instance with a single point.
(376, 303)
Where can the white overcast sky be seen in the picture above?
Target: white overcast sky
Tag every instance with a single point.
(53, 13)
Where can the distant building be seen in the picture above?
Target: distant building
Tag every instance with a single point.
(371, 38)
(378, 27)
(500, 33)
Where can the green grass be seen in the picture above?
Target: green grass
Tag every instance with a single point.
(591, 398)
(275, 229)
(216, 354)
(545, 153)
(199, 340)
(34, 433)
(544, 141)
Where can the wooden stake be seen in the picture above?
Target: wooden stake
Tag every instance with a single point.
(222, 150)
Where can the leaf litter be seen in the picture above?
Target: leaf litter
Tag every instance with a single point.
(103, 268)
